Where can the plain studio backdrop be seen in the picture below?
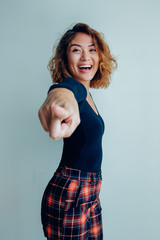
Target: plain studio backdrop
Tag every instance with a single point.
(130, 192)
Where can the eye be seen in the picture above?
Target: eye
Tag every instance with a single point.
(93, 50)
(76, 50)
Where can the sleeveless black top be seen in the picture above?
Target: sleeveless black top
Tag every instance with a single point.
(83, 149)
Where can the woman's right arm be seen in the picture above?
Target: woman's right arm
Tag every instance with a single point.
(59, 114)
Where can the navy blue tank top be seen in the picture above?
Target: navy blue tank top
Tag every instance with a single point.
(83, 149)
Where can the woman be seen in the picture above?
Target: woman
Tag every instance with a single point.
(71, 207)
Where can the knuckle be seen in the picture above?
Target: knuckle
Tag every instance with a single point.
(45, 108)
(52, 107)
(54, 136)
(40, 112)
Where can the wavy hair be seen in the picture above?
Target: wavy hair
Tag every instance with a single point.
(107, 63)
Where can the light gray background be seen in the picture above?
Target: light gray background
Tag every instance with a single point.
(130, 107)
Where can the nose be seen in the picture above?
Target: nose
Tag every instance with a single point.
(85, 56)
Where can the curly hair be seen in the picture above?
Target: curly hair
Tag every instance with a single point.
(107, 63)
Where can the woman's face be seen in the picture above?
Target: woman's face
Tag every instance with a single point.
(83, 58)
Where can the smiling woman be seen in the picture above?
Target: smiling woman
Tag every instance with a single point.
(71, 206)
(82, 58)
(58, 65)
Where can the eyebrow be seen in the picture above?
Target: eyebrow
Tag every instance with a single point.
(72, 45)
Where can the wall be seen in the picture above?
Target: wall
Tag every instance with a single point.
(130, 107)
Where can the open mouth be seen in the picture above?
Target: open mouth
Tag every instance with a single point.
(85, 67)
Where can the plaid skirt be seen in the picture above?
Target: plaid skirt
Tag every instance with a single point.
(71, 206)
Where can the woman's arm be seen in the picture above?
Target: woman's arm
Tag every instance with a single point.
(59, 114)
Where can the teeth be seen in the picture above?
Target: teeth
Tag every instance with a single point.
(85, 66)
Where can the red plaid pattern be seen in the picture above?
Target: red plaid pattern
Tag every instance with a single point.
(71, 207)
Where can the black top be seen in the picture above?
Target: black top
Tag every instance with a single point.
(83, 149)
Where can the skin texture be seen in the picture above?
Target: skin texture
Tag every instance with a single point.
(59, 114)
(59, 105)
(81, 52)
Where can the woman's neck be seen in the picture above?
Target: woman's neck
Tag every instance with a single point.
(86, 84)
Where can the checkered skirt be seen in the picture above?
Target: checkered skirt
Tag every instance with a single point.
(71, 207)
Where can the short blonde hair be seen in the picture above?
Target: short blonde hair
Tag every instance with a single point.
(58, 63)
